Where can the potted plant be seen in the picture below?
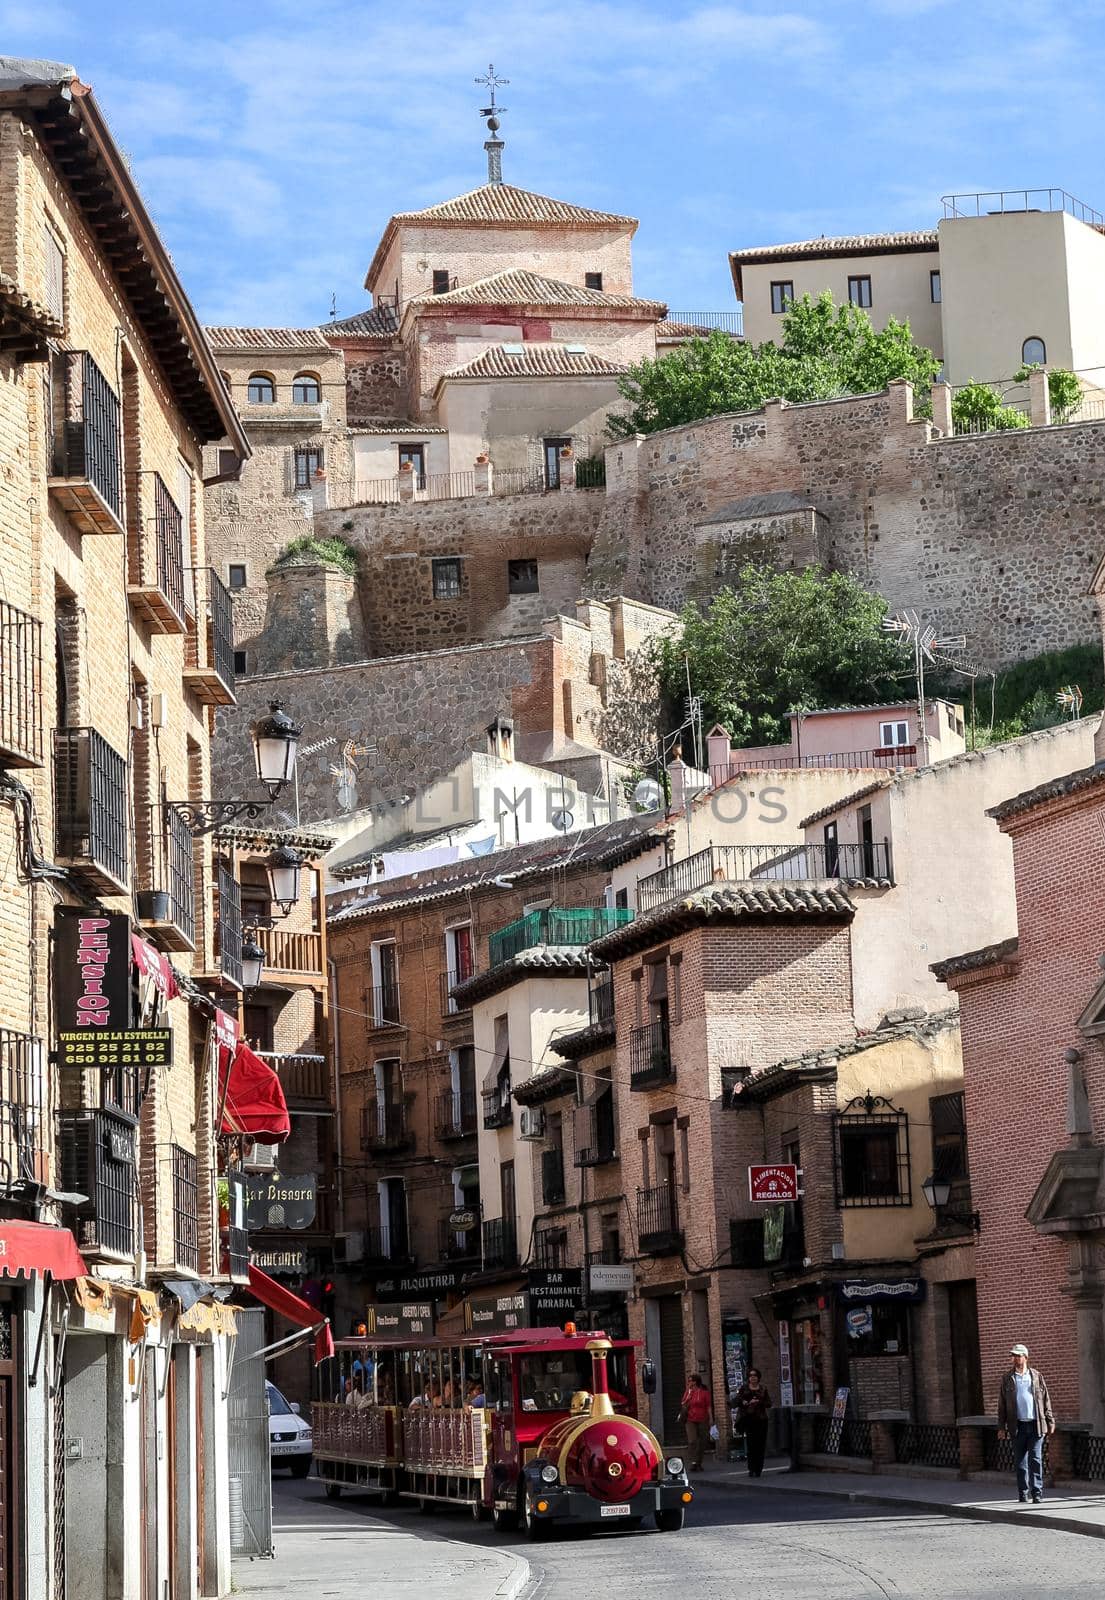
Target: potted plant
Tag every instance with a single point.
(153, 905)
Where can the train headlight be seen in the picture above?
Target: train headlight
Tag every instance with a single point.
(674, 1465)
(549, 1474)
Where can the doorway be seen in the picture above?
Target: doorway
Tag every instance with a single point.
(553, 447)
(672, 1361)
(966, 1362)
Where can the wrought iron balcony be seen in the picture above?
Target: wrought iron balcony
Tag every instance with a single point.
(594, 1134)
(449, 1006)
(23, 1134)
(650, 1060)
(86, 477)
(209, 648)
(607, 1255)
(498, 1108)
(155, 557)
(455, 1114)
(727, 321)
(166, 894)
(600, 1001)
(387, 1245)
(556, 925)
(458, 1244)
(305, 1079)
(552, 1177)
(20, 688)
(383, 1006)
(658, 1231)
(90, 809)
(186, 1228)
(96, 1155)
(228, 924)
(765, 863)
(234, 1254)
(384, 1126)
(500, 1243)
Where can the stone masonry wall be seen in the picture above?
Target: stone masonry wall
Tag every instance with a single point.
(994, 535)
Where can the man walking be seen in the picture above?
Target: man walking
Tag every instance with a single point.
(1024, 1416)
(697, 1412)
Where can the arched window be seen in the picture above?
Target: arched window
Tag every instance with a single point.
(261, 390)
(1033, 352)
(306, 390)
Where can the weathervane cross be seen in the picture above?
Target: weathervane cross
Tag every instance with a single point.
(491, 115)
(493, 83)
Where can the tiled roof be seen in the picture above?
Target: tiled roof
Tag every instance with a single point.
(725, 903)
(846, 800)
(307, 839)
(547, 1084)
(666, 329)
(583, 1041)
(517, 287)
(566, 961)
(973, 960)
(912, 1024)
(262, 339)
(376, 322)
(537, 361)
(1054, 789)
(857, 244)
(395, 425)
(503, 202)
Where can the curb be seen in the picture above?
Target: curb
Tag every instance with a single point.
(512, 1587)
(968, 1512)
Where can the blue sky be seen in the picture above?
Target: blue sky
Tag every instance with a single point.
(273, 138)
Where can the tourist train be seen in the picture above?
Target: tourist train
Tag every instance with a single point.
(533, 1425)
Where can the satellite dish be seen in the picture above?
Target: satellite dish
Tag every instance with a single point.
(562, 821)
(648, 795)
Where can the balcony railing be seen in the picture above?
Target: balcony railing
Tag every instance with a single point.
(209, 649)
(759, 863)
(228, 924)
(607, 1255)
(234, 1246)
(155, 558)
(96, 1152)
(391, 1244)
(455, 1114)
(384, 1126)
(86, 466)
(728, 321)
(458, 1244)
(20, 688)
(556, 926)
(23, 1134)
(383, 1006)
(305, 1079)
(90, 808)
(186, 1228)
(449, 1006)
(294, 955)
(552, 1177)
(658, 1221)
(650, 1055)
(886, 759)
(600, 1001)
(498, 1108)
(594, 1134)
(500, 1243)
(167, 884)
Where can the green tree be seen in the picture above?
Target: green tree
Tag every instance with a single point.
(826, 351)
(979, 408)
(780, 640)
(1064, 391)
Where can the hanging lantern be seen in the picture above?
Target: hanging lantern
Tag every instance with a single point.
(275, 742)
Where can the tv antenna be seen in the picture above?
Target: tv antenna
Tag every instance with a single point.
(928, 645)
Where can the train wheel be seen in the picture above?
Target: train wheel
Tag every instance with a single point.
(333, 1491)
(479, 1510)
(670, 1521)
(503, 1521)
(531, 1522)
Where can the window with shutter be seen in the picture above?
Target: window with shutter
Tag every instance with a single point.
(55, 274)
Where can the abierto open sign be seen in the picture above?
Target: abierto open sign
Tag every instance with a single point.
(773, 1184)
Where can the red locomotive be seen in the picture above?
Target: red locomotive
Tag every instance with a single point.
(536, 1425)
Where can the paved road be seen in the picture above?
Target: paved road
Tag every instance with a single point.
(773, 1546)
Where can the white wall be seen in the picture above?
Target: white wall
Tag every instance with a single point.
(899, 288)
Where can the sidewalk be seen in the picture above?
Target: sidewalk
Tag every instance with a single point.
(323, 1549)
(1069, 1511)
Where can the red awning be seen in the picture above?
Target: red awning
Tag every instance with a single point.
(253, 1101)
(289, 1305)
(27, 1248)
(153, 965)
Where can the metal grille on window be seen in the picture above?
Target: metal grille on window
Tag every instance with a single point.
(871, 1154)
(58, 1530)
(949, 1153)
(307, 464)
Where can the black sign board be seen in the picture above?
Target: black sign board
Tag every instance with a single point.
(408, 1320)
(416, 1285)
(554, 1278)
(115, 1047)
(497, 1313)
(92, 963)
(282, 1261)
(463, 1218)
(281, 1202)
(865, 1291)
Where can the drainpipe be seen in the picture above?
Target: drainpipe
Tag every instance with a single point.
(335, 1037)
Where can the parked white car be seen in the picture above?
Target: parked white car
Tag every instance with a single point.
(289, 1436)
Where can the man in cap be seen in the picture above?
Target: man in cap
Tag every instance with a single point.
(1024, 1416)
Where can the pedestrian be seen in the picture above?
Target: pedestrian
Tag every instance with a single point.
(696, 1412)
(1024, 1416)
(752, 1405)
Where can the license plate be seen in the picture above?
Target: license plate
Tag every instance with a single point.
(286, 1450)
(615, 1511)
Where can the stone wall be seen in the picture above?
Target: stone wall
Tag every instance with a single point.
(995, 536)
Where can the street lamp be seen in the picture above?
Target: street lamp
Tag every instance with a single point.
(284, 867)
(253, 960)
(275, 742)
(938, 1191)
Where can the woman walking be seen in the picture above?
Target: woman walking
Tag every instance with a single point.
(752, 1406)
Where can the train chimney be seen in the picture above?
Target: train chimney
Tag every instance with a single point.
(600, 1389)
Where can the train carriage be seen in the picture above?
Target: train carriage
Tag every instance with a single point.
(537, 1425)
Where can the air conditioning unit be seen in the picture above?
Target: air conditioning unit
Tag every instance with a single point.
(260, 1158)
(533, 1122)
(349, 1246)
